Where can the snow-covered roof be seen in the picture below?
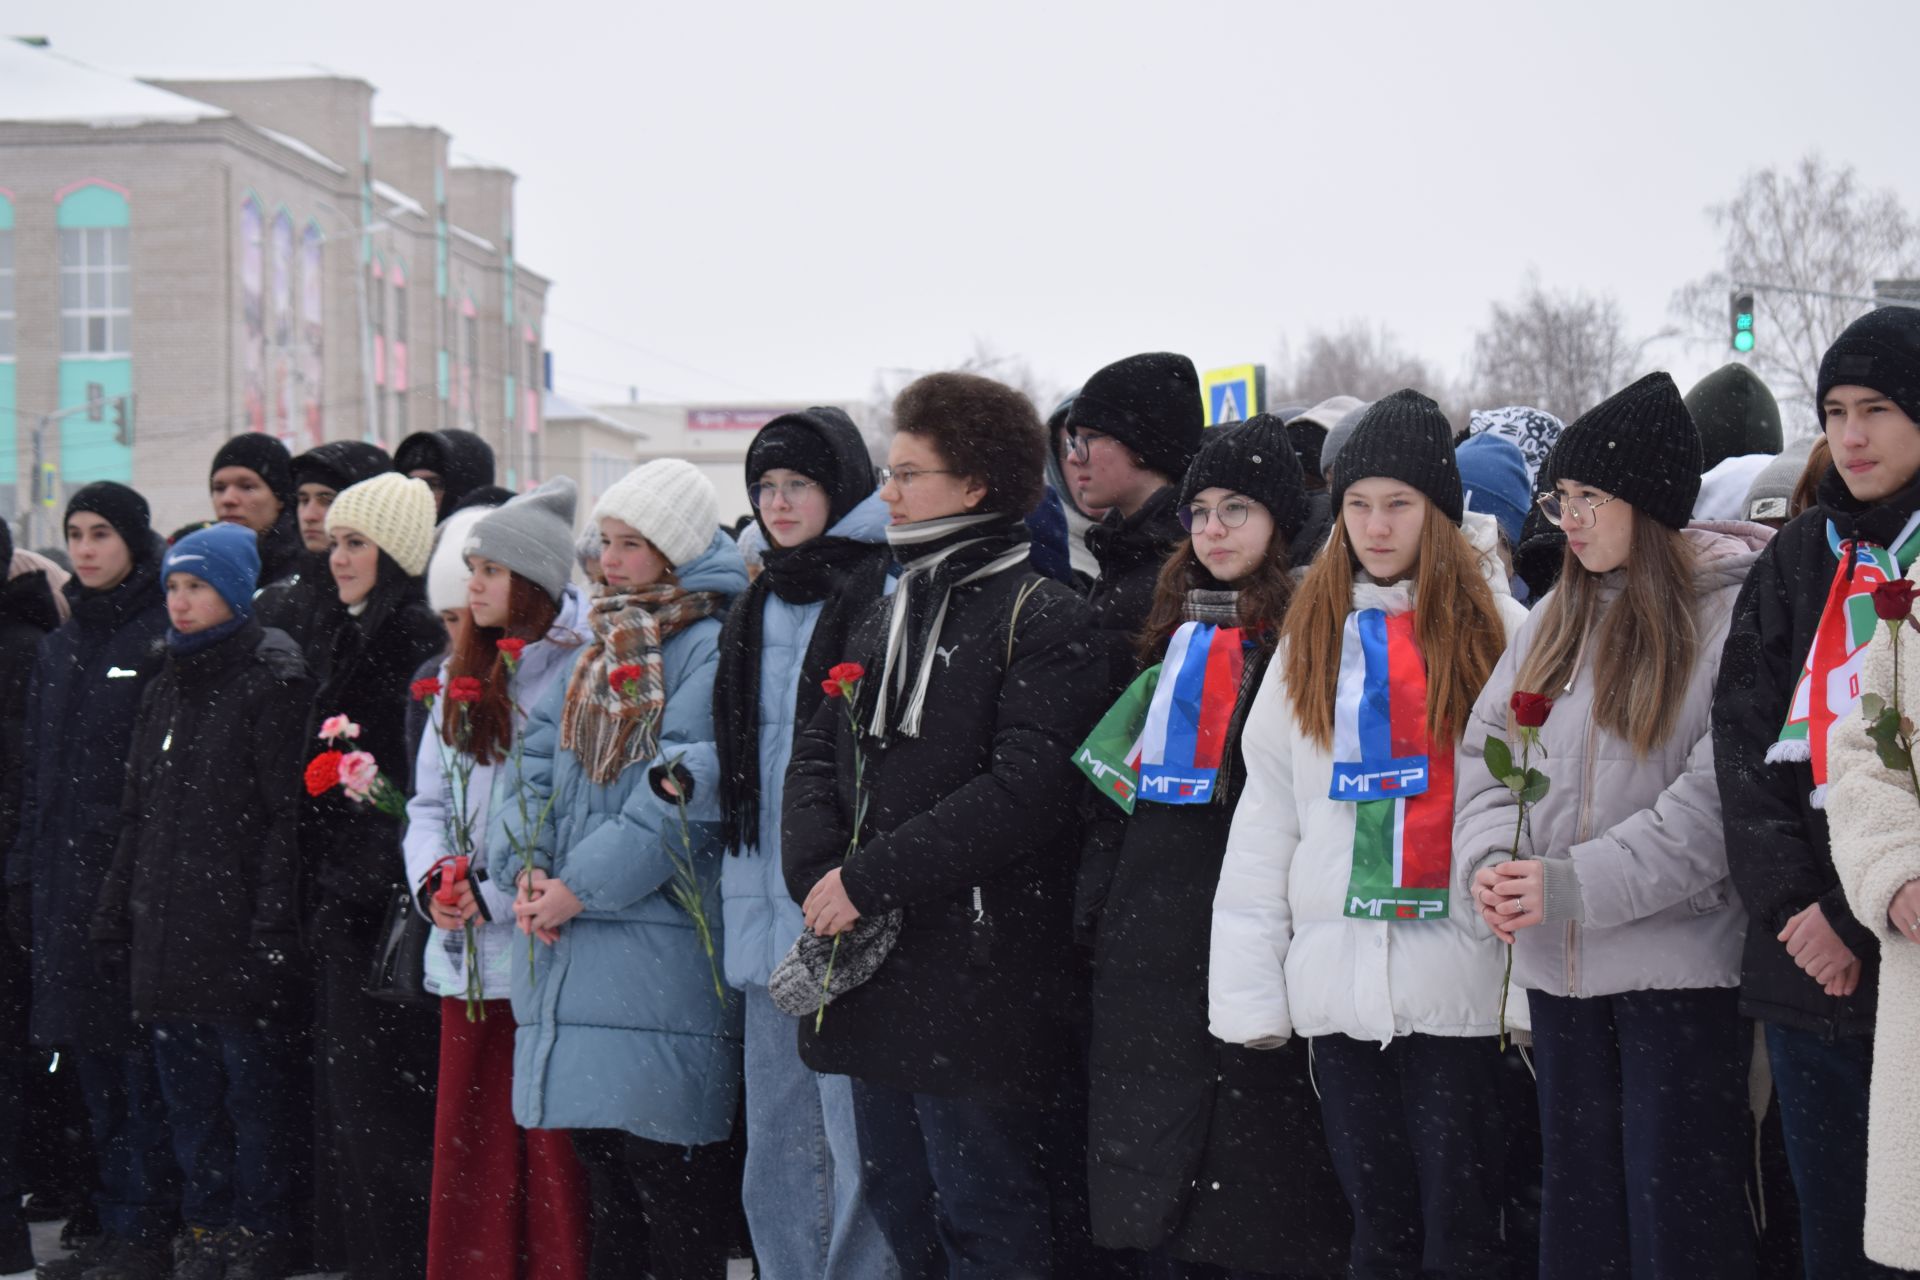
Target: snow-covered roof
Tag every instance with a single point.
(479, 242)
(271, 71)
(294, 144)
(393, 198)
(555, 407)
(42, 86)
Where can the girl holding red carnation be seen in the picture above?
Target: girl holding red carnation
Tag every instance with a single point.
(1625, 928)
(507, 1203)
(621, 1038)
(374, 1058)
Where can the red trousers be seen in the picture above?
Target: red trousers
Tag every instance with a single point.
(508, 1203)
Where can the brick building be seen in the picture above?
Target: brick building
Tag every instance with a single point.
(244, 254)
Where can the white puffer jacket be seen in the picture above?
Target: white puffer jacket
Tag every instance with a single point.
(1875, 822)
(1285, 961)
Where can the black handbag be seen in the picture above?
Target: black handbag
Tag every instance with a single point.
(399, 970)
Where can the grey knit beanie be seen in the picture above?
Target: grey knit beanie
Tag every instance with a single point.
(531, 535)
(1338, 432)
(1772, 490)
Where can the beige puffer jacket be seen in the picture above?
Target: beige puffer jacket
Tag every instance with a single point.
(1875, 823)
(1638, 892)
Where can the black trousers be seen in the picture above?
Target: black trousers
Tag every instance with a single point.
(1414, 1132)
(376, 1064)
(660, 1211)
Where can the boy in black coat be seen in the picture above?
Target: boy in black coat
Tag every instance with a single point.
(199, 910)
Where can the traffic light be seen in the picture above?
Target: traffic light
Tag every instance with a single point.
(123, 419)
(1743, 320)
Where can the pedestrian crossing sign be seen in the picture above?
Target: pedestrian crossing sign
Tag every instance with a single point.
(1234, 394)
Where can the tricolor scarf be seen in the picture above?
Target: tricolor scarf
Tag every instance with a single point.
(1383, 765)
(1829, 687)
(607, 729)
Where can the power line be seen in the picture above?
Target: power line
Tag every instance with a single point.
(654, 355)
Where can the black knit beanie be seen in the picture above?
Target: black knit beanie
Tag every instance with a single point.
(1638, 444)
(6, 545)
(1736, 415)
(263, 455)
(1151, 404)
(1254, 458)
(823, 445)
(1403, 437)
(340, 464)
(125, 510)
(1879, 351)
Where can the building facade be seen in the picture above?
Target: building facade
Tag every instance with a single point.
(182, 260)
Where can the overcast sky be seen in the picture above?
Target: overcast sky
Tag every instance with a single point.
(774, 201)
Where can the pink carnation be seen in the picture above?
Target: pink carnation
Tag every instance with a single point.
(358, 773)
(338, 727)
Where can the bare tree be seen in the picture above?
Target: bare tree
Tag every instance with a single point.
(1811, 227)
(1359, 359)
(1560, 352)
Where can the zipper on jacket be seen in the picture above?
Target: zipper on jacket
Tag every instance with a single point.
(982, 940)
(1579, 836)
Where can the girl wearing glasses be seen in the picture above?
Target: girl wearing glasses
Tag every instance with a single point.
(1182, 1130)
(1625, 929)
(811, 483)
(1333, 920)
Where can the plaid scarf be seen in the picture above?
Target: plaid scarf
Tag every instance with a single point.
(601, 725)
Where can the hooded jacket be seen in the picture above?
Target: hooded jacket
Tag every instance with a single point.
(1777, 842)
(619, 1024)
(204, 879)
(1642, 838)
(425, 843)
(81, 709)
(462, 460)
(1875, 853)
(762, 918)
(1284, 960)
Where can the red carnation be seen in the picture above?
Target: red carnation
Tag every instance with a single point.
(510, 648)
(1530, 710)
(424, 689)
(323, 773)
(465, 689)
(1893, 601)
(620, 678)
(841, 677)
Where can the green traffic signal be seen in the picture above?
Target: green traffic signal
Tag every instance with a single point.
(1742, 321)
(1743, 340)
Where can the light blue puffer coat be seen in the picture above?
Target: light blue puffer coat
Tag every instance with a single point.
(620, 1026)
(762, 918)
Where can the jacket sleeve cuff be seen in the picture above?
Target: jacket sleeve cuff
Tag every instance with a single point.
(1839, 913)
(1560, 897)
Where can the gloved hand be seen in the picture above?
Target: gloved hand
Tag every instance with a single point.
(20, 917)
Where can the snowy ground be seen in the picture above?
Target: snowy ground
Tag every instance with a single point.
(46, 1247)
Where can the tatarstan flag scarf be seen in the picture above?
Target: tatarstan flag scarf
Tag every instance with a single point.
(1829, 685)
(1383, 765)
(1166, 738)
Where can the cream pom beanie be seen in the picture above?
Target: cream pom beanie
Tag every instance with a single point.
(395, 511)
(448, 570)
(670, 502)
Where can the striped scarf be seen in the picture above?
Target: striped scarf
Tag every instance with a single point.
(1383, 765)
(603, 726)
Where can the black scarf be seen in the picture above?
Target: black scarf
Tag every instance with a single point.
(848, 575)
(935, 557)
(1877, 522)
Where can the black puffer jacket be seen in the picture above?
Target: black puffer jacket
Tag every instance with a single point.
(352, 851)
(79, 725)
(1130, 551)
(304, 603)
(27, 614)
(1777, 848)
(203, 882)
(1214, 1152)
(968, 1003)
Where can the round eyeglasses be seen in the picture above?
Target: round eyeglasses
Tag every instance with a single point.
(791, 491)
(1231, 514)
(1578, 512)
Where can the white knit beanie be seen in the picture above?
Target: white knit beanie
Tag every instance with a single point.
(448, 571)
(396, 511)
(670, 502)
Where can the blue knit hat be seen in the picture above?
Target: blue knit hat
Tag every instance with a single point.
(1493, 472)
(226, 557)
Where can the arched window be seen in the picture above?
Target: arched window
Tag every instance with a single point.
(96, 283)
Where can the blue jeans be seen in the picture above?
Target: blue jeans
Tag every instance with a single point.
(960, 1191)
(138, 1190)
(804, 1190)
(233, 1130)
(1822, 1085)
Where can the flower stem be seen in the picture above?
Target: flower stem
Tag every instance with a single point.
(820, 1015)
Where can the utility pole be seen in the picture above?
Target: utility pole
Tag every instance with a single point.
(46, 478)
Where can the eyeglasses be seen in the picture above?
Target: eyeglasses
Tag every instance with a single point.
(905, 476)
(1571, 513)
(1080, 443)
(1231, 514)
(790, 491)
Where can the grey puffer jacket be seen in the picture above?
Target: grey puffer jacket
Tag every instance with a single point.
(1636, 865)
